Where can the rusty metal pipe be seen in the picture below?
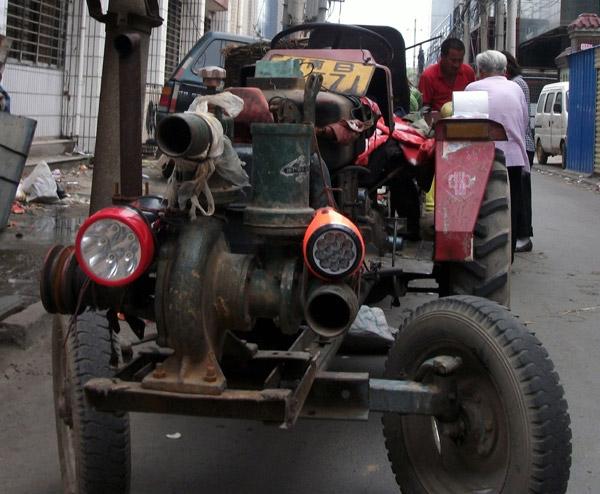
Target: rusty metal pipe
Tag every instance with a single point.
(265, 293)
(330, 309)
(130, 114)
(183, 135)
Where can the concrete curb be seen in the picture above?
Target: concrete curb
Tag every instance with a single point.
(19, 328)
(591, 180)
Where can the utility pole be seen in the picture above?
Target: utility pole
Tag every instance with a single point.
(322, 13)
(484, 20)
(316, 11)
(467, 30)
(499, 15)
(293, 13)
(511, 26)
(414, 43)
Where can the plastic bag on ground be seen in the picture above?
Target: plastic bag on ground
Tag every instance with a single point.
(370, 332)
(40, 185)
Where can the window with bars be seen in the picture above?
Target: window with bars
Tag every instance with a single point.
(173, 37)
(37, 30)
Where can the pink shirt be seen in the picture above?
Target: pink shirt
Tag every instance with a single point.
(507, 106)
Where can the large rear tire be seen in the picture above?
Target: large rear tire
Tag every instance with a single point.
(488, 275)
(94, 448)
(511, 433)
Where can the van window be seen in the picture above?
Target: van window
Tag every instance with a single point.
(549, 101)
(540, 104)
(558, 101)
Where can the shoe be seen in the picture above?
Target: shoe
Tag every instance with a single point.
(524, 245)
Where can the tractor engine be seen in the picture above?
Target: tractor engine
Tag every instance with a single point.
(272, 247)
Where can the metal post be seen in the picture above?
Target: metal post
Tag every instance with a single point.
(322, 13)
(483, 25)
(467, 31)
(122, 16)
(511, 26)
(499, 18)
(130, 110)
(414, 43)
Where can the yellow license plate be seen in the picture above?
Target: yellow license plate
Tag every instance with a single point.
(349, 78)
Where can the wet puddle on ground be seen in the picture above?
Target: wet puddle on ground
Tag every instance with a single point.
(24, 244)
(57, 229)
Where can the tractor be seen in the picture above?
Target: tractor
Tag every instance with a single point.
(294, 202)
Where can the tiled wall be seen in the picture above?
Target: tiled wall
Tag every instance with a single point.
(84, 128)
(192, 24)
(36, 93)
(156, 53)
(50, 95)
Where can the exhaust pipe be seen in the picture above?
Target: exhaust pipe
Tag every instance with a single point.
(183, 135)
(330, 309)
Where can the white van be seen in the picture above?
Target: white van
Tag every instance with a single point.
(551, 118)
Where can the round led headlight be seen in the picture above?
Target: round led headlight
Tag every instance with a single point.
(115, 246)
(333, 246)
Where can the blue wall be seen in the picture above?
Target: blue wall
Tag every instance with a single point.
(582, 112)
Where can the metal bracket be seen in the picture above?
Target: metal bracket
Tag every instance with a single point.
(442, 365)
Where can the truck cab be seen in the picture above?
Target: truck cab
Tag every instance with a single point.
(186, 83)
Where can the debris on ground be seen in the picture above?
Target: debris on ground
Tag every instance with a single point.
(40, 184)
(17, 208)
(370, 332)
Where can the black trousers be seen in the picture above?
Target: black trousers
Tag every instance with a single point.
(525, 228)
(516, 199)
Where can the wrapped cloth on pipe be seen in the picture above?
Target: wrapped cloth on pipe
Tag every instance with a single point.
(194, 183)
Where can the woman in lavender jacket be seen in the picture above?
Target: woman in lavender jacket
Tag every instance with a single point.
(507, 106)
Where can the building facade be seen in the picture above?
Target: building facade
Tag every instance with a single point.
(54, 67)
(541, 26)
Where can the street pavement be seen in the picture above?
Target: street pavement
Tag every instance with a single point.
(555, 291)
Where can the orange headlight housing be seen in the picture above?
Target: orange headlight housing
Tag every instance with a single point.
(333, 246)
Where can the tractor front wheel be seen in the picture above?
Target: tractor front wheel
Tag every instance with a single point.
(93, 446)
(510, 431)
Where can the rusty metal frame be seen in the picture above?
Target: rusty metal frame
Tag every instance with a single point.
(316, 394)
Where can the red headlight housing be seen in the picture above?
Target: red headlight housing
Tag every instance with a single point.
(115, 246)
(333, 246)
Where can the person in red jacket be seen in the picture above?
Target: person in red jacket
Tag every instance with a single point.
(449, 74)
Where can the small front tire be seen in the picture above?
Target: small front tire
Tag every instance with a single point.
(511, 433)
